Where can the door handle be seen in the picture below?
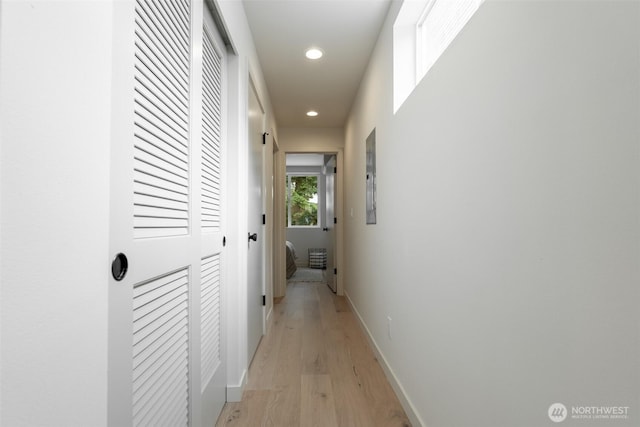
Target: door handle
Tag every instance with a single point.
(253, 237)
(119, 267)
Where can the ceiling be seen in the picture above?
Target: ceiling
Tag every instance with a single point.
(345, 30)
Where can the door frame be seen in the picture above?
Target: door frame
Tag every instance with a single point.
(279, 232)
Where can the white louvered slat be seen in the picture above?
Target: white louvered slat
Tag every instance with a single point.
(210, 315)
(152, 79)
(164, 163)
(167, 128)
(152, 389)
(166, 14)
(161, 133)
(161, 351)
(149, 12)
(211, 136)
(164, 309)
(174, 203)
(158, 187)
(156, 168)
(147, 100)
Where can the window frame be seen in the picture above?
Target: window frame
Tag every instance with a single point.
(465, 11)
(409, 59)
(420, 35)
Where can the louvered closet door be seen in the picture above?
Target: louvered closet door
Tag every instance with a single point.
(165, 330)
(213, 372)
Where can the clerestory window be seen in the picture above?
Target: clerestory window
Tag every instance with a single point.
(421, 33)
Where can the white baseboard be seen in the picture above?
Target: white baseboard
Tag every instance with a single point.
(408, 407)
(234, 393)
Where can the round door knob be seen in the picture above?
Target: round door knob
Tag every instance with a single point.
(253, 237)
(119, 267)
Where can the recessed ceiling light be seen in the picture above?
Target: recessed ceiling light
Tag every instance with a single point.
(312, 113)
(314, 53)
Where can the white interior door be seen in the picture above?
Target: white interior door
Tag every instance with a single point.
(166, 334)
(212, 285)
(255, 275)
(331, 229)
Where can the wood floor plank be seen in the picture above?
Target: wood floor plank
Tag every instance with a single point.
(283, 409)
(341, 304)
(247, 413)
(370, 376)
(314, 356)
(315, 368)
(288, 367)
(317, 407)
(264, 362)
(352, 406)
(328, 312)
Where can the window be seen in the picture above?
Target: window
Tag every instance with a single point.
(438, 25)
(421, 33)
(302, 201)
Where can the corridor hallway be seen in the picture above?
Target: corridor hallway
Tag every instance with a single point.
(315, 368)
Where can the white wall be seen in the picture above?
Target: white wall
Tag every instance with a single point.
(55, 79)
(507, 245)
(311, 140)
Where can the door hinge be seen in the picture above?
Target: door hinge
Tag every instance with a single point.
(335, 271)
(264, 219)
(335, 170)
(264, 300)
(264, 138)
(335, 220)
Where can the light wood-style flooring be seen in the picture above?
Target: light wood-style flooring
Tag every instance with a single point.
(315, 368)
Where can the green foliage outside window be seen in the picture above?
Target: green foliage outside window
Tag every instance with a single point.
(302, 200)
